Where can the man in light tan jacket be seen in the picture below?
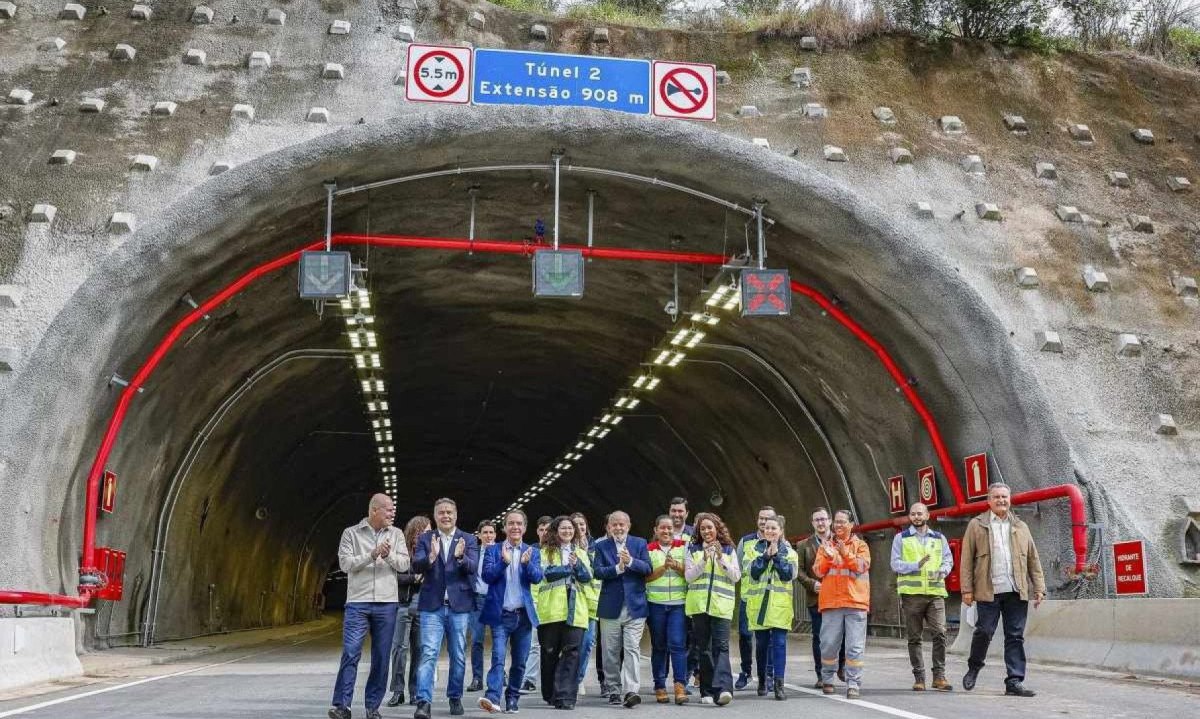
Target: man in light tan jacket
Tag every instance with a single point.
(1000, 572)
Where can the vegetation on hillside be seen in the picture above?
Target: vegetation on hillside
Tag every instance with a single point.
(1165, 29)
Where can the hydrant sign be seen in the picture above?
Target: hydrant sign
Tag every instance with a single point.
(1129, 568)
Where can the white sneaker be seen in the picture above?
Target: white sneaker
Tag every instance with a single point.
(582, 691)
(724, 699)
(707, 701)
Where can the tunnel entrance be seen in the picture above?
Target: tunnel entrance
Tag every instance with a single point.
(485, 385)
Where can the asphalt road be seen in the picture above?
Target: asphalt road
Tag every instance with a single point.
(293, 678)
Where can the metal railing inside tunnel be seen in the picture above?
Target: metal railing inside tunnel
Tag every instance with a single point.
(88, 573)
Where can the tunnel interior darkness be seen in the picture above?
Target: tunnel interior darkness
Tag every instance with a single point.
(488, 384)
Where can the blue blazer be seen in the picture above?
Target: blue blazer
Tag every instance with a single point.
(495, 573)
(627, 589)
(456, 579)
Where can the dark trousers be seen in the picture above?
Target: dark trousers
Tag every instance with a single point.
(770, 651)
(380, 619)
(921, 612)
(477, 631)
(515, 631)
(711, 635)
(814, 617)
(1014, 610)
(560, 661)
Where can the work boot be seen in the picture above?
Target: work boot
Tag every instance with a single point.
(826, 688)
(475, 685)
(423, 711)
(614, 698)
(374, 714)
(919, 684)
(681, 694)
(396, 700)
(632, 699)
(969, 679)
(1017, 689)
(762, 687)
(339, 713)
(941, 685)
(852, 693)
(780, 692)
(742, 680)
(456, 707)
(660, 696)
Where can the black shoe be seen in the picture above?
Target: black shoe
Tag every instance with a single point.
(1017, 689)
(614, 698)
(423, 711)
(632, 699)
(568, 707)
(780, 694)
(742, 680)
(396, 700)
(528, 686)
(475, 685)
(762, 688)
(456, 707)
(969, 679)
(374, 714)
(339, 713)
(510, 707)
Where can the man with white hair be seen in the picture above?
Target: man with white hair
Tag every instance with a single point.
(370, 553)
(622, 563)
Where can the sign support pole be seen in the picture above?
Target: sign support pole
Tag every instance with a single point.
(762, 239)
(591, 208)
(557, 166)
(330, 186)
(471, 230)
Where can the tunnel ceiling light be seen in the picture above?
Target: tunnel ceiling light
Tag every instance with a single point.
(680, 336)
(676, 358)
(705, 318)
(662, 357)
(695, 339)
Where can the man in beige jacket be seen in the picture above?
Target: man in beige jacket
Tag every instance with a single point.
(370, 553)
(1000, 572)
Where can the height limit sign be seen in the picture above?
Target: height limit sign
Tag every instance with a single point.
(685, 90)
(438, 73)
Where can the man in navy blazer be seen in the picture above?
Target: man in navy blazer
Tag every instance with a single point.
(447, 557)
(510, 568)
(622, 563)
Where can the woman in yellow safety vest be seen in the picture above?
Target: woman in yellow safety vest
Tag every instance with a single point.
(665, 591)
(711, 570)
(562, 611)
(583, 538)
(769, 608)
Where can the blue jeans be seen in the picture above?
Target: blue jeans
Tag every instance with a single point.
(585, 649)
(1014, 610)
(746, 643)
(380, 619)
(770, 648)
(514, 629)
(452, 626)
(477, 629)
(668, 640)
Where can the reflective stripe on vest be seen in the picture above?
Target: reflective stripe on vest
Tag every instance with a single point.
(769, 599)
(928, 579)
(711, 592)
(563, 600)
(670, 588)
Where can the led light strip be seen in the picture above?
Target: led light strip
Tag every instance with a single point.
(368, 362)
(723, 294)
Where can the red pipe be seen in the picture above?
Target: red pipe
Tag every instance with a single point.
(1041, 494)
(88, 560)
(54, 600)
(935, 436)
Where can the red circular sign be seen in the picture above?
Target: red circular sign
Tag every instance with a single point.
(439, 93)
(670, 77)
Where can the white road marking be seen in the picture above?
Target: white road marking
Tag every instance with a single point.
(904, 714)
(105, 690)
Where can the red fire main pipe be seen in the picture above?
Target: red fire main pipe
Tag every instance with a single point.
(901, 381)
(88, 560)
(1041, 494)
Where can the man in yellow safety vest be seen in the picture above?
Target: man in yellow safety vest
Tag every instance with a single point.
(921, 559)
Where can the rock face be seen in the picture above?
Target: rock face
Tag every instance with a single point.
(201, 156)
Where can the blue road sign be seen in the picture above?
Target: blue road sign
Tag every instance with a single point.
(510, 77)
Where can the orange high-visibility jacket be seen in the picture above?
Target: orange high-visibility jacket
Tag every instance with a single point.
(846, 577)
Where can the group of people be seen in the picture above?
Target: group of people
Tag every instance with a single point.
(547, 605)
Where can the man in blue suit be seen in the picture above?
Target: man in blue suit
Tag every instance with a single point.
(510, 568)
(447, 557)
(622, 563)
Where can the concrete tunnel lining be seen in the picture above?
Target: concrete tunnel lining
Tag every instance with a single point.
(827, 234)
